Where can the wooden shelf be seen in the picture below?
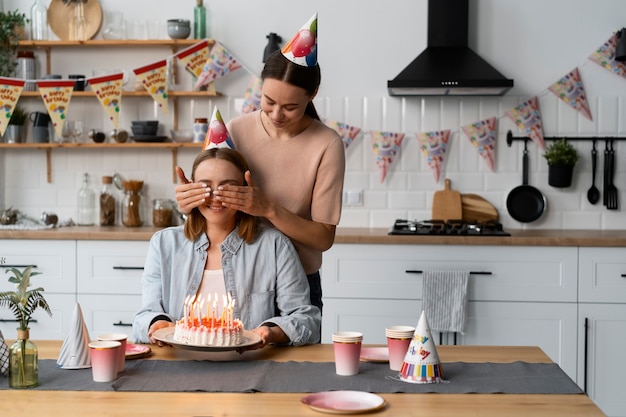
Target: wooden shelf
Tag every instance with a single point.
(138, 93)
(113, 43)
(48, 147)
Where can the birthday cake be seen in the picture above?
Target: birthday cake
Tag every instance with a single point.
(209, 331)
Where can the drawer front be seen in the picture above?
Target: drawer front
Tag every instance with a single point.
(514, 273)
(54, 259)
(602, 275)
(42, 326)
(110, 267)
(109, 313)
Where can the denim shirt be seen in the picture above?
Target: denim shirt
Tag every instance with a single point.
(265, 278)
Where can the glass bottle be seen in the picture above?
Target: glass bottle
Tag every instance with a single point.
(39, 21)
(107, 202)
(133, 205)
(86, 204)
(23, 362)
(199, 20)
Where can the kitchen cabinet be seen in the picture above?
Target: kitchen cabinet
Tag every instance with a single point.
(524, 296)
(602, 327)
(47, 47)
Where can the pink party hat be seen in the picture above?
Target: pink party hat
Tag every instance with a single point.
(217, 136)
(302, 48)
(421, 364)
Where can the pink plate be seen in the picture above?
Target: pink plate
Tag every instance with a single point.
(136, 351)
(375, 354)
(343, 402)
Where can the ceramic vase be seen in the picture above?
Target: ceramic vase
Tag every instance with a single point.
(23, 362)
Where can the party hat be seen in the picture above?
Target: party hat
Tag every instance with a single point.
(302, 48)
(421, 363)
(217, 136)
(75, 349)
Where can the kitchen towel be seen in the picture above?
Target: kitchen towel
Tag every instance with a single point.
(444, 299)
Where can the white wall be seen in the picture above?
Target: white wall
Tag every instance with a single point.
(361, 46)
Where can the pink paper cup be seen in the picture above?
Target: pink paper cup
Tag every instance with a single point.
(397, 351)
(121, 356)
(347, 348)
(104, 360)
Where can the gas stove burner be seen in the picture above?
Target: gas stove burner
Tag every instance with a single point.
(447, 228)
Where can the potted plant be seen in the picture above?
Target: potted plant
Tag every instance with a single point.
(23, 365)
(15, 129)
(12, 28)
(561, 157)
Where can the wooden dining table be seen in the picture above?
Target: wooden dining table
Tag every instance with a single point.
(204, 404)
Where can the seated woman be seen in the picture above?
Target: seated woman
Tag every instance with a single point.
(224, 251)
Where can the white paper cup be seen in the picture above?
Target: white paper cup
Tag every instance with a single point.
(347, 349)
(121, 356)
(104, 360)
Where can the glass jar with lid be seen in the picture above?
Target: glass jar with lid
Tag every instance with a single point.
(108, 202)
(162, 212)
(133, 204)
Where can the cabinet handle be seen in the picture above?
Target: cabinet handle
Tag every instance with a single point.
(128, 267)
(120, 323)
(585, 355)
(16, 266)
(413, 271)
(15, 321)
(623, 275)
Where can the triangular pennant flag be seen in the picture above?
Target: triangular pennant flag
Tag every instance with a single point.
(75, 352)
(10, 91)
(421, 363)
(217, 135)
(385, 146)
(605, 57)
(434, 146)
(56, 95)
(194, 57)
(219, 63)
(348, 133)
(528, 118)
(302, 48)
(483, 136)
(252, 98)
(108, 89)
(154, 79)
(570, 89)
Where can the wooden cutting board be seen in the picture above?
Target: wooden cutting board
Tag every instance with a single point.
(476, 208)
(447, 204)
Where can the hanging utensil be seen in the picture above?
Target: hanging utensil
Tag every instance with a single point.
(525, 203)
(611, 191)
(593, 194)
(605, 171)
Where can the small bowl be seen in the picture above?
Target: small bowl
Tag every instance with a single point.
(144, 122)
(139, 130)
(182, 135)
(178, 28)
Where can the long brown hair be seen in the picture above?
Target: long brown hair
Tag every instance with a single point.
(195, 224)
(280, 68)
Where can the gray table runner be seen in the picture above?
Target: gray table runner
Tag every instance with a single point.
(271, 376)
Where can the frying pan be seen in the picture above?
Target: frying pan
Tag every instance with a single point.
(525, 203)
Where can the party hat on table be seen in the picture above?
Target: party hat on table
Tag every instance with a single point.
(217, 136)
(421, 364)
(75, 349)
(302, 48)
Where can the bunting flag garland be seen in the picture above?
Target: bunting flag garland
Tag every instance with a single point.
(219, 63)
(434, 146)
(154, 79)
(570, 89)
(605, 57)
(348, 133)
(194, 57)
(528, 118)
(108, 89)
(483, 136)
(252, 98)
(10, 90)
(56, 95)
(385, 146)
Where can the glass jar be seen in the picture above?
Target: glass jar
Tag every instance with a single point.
(162, 211)
(133, 205)
(108, 202)
(23, 362)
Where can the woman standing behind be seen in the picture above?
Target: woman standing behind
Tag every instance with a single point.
(297, 163)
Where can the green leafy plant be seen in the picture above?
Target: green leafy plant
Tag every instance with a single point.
(23, 302)
(561, 152)
(18, 117)
(11, 25)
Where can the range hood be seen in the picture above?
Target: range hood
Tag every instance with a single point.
(448, 66)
